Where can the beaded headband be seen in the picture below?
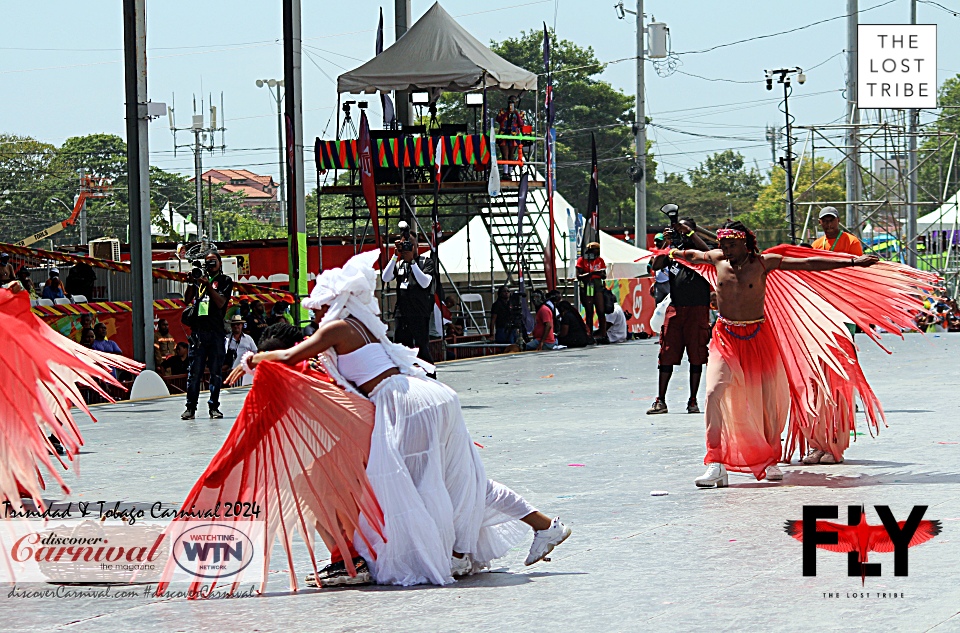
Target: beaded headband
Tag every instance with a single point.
(731, 233)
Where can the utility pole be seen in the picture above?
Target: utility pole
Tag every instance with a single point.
(639, 170)
(83, 209)
(853, 118)
(203, 139)
(138, 176)
(772, 137)
(275, 87)
(783, 77)
(913, 116)
(401, 21)
(197, 179)
(293, 102)
(640, 184)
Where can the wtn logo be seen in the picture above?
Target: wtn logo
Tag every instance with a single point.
(858, 538)
(221, 551)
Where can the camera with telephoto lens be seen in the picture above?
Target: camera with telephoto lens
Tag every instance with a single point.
(197, 271)
(407, 244)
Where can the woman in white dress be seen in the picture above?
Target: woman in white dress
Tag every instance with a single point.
(442, 516)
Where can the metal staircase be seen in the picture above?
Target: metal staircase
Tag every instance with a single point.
(500, 218)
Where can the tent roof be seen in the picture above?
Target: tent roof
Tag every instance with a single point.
(437, 53)
(947, 217)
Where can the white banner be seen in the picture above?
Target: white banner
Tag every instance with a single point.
(76, 550)
(897, 65)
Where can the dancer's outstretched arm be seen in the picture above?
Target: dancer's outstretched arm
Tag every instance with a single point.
(819, 263)
(698, 257)
(327, 336)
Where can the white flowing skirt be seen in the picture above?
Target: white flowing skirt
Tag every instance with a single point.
(431, 485)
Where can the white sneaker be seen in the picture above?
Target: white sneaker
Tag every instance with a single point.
(716, 475)
(815, 456)
(828, 458)
(545, 540)
(774, 473)
(462, 566)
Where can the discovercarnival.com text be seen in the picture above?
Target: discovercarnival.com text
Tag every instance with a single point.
(113, 593)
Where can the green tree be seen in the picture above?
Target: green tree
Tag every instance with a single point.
(719, 188)
(583, 104)
(817, 181)
(935, 153)
(27, 183)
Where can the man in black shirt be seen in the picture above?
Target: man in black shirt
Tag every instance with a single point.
(179, 362)
(414, 275)
(687, 323)
(209, 294)
(501, 319)
(256, 320)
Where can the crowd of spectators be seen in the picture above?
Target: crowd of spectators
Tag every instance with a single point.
(944, 315)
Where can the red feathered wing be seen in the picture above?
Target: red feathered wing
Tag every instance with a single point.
(808, 310)
(42, 370)
(298, 450)
(878, 540)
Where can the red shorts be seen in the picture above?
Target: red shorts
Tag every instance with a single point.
(685, 327)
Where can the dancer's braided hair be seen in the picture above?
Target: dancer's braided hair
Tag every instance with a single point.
(279, 336)
(751, 238)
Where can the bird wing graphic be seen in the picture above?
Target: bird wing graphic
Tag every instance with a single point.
(42, 370)
(301, 458)
(847, 540)
(880, 540)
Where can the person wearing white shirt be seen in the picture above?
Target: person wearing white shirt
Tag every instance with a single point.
(617, 324)
(239, 344)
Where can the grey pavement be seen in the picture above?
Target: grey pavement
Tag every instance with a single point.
(567, 430)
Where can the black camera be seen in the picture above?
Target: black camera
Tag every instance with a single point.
(406, 245)
(672, 212)
(197, 271)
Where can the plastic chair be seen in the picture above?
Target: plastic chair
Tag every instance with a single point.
(473, 307)
(45, 302)
(62, 301)
(79, 299)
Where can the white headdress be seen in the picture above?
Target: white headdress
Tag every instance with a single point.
(349, 291)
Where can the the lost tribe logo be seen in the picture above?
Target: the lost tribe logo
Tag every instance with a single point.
(213, 551)
(858, 538)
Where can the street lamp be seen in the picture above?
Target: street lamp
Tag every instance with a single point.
(274, 86)
(782, 75)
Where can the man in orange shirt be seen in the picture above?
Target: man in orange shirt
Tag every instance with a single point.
(834, 238)
(823, 449)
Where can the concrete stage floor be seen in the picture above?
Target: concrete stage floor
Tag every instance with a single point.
(568, 431)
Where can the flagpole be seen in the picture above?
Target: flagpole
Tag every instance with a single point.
(551, 258)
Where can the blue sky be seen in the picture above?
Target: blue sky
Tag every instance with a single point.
(62, 73)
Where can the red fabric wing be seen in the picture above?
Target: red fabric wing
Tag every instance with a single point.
(41, 370)
(300, 457)
(808, 311)
(880, 540)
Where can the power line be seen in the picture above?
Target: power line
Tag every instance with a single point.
(794, 30)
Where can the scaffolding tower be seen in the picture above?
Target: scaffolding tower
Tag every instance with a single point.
(881, 206)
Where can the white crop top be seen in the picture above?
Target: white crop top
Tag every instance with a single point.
(364, 363)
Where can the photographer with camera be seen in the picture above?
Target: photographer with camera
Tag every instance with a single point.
(687, 322)
(414, 309)
(207, 297)
(591, 271)
(501, 319)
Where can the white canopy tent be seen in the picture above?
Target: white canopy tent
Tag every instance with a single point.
(180, 226)
(460, 256)
(945, 218)
(436, 54)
